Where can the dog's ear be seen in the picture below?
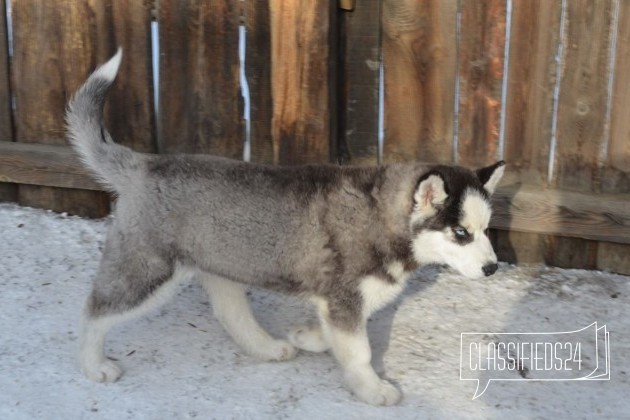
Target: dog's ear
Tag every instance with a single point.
(491, 175)
(430, 192)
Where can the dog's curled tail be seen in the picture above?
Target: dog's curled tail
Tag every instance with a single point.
(115, 166)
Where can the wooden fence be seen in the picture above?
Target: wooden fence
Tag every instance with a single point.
(543, 84)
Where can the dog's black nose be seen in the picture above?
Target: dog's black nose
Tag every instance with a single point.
(489, 269)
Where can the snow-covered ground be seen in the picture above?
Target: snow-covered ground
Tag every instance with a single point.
(179, 363)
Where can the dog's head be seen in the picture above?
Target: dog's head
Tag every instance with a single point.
(450, 216)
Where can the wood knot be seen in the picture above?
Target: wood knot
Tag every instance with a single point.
(582, 107)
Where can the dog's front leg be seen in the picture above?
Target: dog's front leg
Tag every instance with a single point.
(351, 347)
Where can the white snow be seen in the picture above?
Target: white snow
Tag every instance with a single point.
(179, 363)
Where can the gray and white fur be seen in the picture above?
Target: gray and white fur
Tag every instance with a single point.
(344, 238)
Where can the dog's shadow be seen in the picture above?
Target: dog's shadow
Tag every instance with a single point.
(380, 324)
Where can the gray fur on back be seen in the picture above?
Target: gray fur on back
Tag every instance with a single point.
(314, 229)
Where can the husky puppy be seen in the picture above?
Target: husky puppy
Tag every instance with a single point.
(344, 238)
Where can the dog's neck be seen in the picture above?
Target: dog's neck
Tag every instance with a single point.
(394, 195)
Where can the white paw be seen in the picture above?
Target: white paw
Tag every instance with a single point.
(308, 338)
(379, 393)
(276, 350)
(105, 371)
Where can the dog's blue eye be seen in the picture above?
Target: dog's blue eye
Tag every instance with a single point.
(460, 232)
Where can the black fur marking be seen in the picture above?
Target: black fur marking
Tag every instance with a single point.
(344, 309)
(484, 174)
(456, 181)
(462, 240)
(103, 139)
(287, 285)
(117, 298)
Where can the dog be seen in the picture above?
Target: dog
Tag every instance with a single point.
(346, 239)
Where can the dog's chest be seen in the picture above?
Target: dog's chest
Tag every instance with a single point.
(377, 291)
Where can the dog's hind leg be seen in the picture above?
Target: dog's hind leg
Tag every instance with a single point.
(126, 286)
(231, 307)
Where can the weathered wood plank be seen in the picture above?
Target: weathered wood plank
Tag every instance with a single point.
(532, 71)
(613, 257)
(258, 73)
(583, 96)
(199, 78)
(302, 90)
(72, 39)
(360, 55)
(520, 247)
(43, 164)
(529, 209)
(481, 51)
(66, 55)
(534, 40)
(129, 110)
(8, 192)
(82, 203)
(616, 177)
(419, 53)
(568, 252)
(45, 77)
(581, 115)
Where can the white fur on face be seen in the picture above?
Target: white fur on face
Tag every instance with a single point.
(476, 212)
(440, 247)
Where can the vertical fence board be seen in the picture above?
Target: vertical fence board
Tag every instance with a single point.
(481, 53)
(531, 77)
(581, 116)
(199, 78)
(302, 89)
(8, 192)
(520, 247)
(419, 53)
(44, 77)
(258, 73)
(129, 111)
(6, 129)
(616, 176)
(572, 253)
(360, 41)
(71, 40)
(583, 96)
(613, 257)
